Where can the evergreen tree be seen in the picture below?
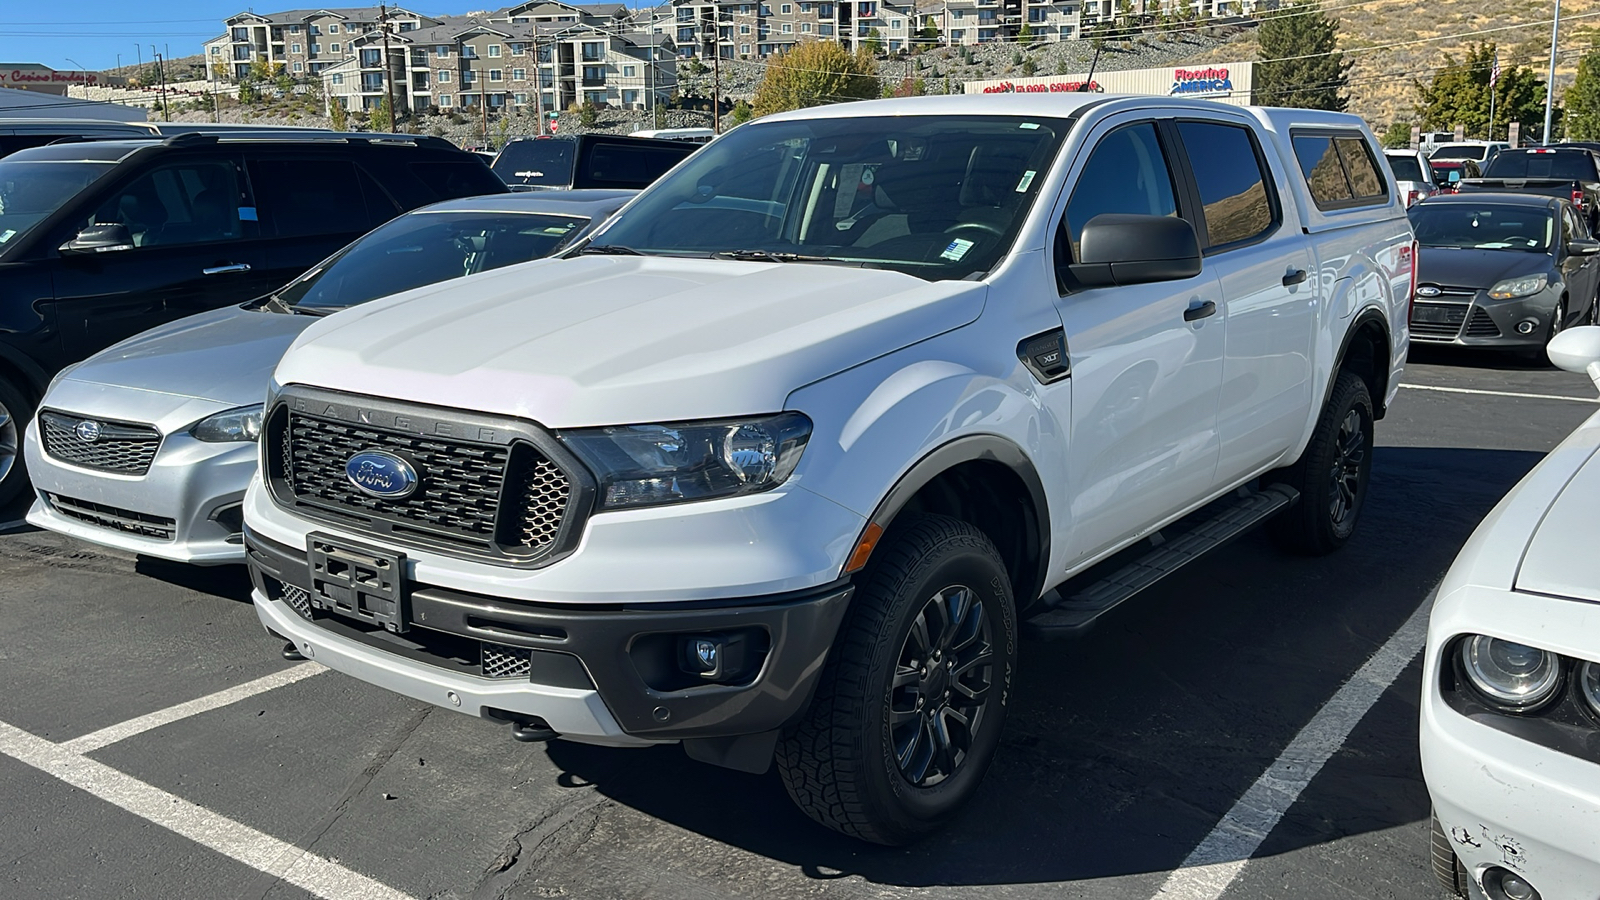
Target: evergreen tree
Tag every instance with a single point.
(1397, 137)
(1458, 94)
(1581, 102)
(1300, 64)
(337, 117)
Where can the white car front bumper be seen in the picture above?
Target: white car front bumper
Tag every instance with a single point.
(1504, 799)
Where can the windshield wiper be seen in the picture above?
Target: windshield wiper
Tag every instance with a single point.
(609, 250)
(774, 256)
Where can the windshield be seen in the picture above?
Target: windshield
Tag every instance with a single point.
(1574, 165)
(939, 197)
(1405, 168)
(427, 247)
(547, 163)
(1462, 151)
(33, 189)
(1485, 227)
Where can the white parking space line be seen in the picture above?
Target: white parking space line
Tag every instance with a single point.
(1457, 390)
(106, 736)
(260, 851)
(1219, 859)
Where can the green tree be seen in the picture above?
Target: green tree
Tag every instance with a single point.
(930, 33)
(588, 115)
(1397, 137)
(813, 73)
(1581, 102)
(337, 117)
(1459, 94)
(382, 118)
(1028, 67)
(741, 113)
(1300, 64)
(873, 45)
(1025, 34)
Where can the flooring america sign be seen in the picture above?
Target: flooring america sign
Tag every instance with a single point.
(1225, 82)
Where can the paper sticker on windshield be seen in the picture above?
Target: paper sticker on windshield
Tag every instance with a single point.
(957, 249)
(247, 214)
(849, 181)
(1027, 179)
(7, 235)
(1029, 125)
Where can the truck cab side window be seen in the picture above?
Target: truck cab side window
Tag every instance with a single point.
(1126, 173)
(1238, 204)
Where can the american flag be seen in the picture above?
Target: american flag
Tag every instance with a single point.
(1494, 73)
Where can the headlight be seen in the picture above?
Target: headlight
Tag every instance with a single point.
(1519, 287)
(242, 424)
(1509, 674)
(1589, 684)
(645, 465)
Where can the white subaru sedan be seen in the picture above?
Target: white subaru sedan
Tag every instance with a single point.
(1511, 696)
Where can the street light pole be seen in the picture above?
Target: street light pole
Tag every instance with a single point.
(161, 72)
(80, 69)
(1550, 84)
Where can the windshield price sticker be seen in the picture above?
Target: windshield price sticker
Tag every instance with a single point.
(1027, 179)
(957, 249)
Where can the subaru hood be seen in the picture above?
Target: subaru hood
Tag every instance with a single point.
(225, 355)
(601, 340)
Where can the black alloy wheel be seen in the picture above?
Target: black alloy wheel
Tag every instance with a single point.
(1331, 475)
(1347, 474)
(941, 684)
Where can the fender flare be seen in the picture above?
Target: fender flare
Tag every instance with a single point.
(1369, 314)
(976, 448)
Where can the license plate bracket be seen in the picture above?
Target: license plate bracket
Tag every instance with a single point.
(357, 582)
(1432, 315)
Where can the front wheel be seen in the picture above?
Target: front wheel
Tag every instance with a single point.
(1447, 867)
(908, 713)
(1332, 474)
(15, 410)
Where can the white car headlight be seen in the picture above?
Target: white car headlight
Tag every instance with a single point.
(646, 465)
(1519, 287)
(242, 424)
(1510, 675)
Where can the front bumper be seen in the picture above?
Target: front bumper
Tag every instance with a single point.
(186, 508)
(598, 673)
(1504, 800)
(1477, 321)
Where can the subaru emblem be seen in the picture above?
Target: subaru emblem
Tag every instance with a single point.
(381, 475)
(87, 431)
(1428, 290)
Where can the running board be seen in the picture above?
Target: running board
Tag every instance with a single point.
(1227, 518)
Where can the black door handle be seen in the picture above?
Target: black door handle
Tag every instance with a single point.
(1294, 277)
(1208, 308)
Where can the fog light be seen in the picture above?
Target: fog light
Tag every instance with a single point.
(1526, 326)
(715, 657)
(1510, 675)
(1504, 884)
(1589, 685)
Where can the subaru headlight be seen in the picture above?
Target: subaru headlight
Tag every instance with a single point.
(242, 424)
(1519, 287)
(646, 465)
(1512, 676)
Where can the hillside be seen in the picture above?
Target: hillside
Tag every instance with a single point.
(1380, 81)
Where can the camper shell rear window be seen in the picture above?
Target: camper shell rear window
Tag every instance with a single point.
(1339, 169)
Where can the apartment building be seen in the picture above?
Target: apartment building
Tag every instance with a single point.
(542, 54)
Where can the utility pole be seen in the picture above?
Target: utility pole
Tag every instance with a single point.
(1550, 85)
(161, 72)
(388, 70)
(1494, 76)
(538, 86)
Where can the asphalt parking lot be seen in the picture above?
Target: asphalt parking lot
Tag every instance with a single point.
(1206, 741)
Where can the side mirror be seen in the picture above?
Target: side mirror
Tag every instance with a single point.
(100, 238)
(1577, 350)
(1583, 247)
(1119, 249)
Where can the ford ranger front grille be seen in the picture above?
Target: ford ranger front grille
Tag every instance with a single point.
(516, 497)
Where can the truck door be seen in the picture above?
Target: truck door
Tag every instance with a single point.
(1146, 360)
(1268, 290)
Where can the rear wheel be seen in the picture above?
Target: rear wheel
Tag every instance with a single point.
(1447, 867)
(1332, 474)
(909, 710)
(15, 410)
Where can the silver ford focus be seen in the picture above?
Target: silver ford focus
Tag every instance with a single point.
(148, 445)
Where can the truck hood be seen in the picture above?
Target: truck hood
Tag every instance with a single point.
(1476, 268)
(601, 340)
(1559, 559)
(225, 355)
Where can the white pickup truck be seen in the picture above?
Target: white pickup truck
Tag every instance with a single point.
(778, 464)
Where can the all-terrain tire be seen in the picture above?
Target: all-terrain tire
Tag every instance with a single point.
(1447, 867)
(1332, 475)
(845, 764)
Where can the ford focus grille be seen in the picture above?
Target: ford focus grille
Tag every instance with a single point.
(123, 448)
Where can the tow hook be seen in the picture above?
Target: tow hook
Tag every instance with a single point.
(532, 731)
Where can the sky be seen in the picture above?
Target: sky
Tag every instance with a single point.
(91, 34)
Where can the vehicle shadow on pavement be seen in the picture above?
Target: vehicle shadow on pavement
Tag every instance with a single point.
(229, 582)
(1125, 747)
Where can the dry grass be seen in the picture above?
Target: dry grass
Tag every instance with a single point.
(1381, 79)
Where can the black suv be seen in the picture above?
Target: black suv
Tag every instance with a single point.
(101, 240)
(606, 161)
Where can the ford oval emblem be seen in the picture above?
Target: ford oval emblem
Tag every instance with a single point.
(87, 431)
(381, 475)
(1428, 290)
